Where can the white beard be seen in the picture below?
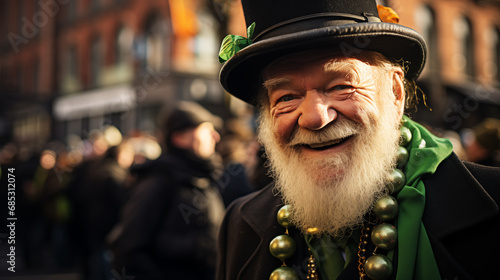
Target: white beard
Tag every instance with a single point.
(334, 202)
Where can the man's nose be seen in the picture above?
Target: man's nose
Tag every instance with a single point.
(315, 111)
(215, 136)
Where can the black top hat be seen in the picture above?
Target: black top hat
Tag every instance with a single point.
(286, 26)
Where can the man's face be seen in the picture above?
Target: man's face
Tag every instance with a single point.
(201, 140)
(309, 93)
(331, 131)
(204, 139)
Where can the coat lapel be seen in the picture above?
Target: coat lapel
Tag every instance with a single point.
(456, 206)
(260, 215)
(446, 210)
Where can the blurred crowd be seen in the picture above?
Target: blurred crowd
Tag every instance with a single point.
(65, 188)
(72, 199)
(479, 144)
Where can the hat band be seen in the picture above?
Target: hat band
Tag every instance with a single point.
(313, 21)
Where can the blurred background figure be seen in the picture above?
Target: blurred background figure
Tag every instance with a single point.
(169, 225)
(484, 146)
(46, 211)
(238, 155)
(98, 191)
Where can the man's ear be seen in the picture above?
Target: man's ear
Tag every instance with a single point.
(399, 91)
(180, 139)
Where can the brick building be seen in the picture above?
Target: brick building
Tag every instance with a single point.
(70, 66)
(27, 71)
(462, 74)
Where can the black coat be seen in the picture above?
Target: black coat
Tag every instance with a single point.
(461, 217)
(167, 231)
(97, 192)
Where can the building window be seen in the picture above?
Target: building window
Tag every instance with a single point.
(20, 80)
(96, 61)
(36, 76)
(496, 53)
(426, 25)
(4, 23)
(157, 43)
(123, 45)
(464, 33)
(20, 16)
(70, 81)
(72, 62)
(206, 42)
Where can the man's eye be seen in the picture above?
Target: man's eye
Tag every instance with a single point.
(340, 87)
(285, 98)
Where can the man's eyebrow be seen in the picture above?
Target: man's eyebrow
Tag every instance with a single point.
(343, 68)
(273, 83)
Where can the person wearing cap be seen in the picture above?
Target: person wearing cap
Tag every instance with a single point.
(360, 190)
(170, 223)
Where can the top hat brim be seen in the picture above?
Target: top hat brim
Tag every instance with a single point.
(240, 75)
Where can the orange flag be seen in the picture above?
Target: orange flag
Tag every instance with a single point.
(183, 15)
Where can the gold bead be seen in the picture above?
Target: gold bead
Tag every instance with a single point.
(378, 267)
(282, 247)
(283, 215)
(385, 236)
(386, 208)
(284, 273)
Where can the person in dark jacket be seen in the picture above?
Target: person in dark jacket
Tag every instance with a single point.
(169, 225)
(97, 193)
(360, 190)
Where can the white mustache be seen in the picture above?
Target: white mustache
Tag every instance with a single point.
(333, 132)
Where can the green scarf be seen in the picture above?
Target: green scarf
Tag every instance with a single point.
(415, 257)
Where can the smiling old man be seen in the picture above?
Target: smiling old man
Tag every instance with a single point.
(360, 190)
